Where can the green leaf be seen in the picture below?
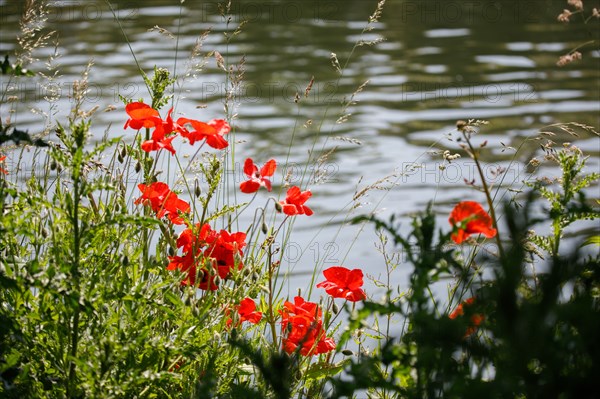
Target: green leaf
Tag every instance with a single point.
(593, 240)
(318, 371)
(173, 299)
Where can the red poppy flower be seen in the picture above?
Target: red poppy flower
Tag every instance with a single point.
(141, 115)
(153, 194)
(213, 132)
(247, 312)
(213, 253)
(167, 127)
(155, 145)
(175, 207)
(476, 319)
(468, 217)
(163, 201)
(343, 283)
(459, 311)
(302, 328)
(257, 179)
(2, 170)
(294, 202)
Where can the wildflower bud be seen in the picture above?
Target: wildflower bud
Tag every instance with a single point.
(278, 207)
(125, 260)
(335, 308)
(53, 165)
(138, 167)
(44, 232)
(217, 281)
(200, 275)
(564, 16)
(120, 158)
(460, 125)
(171, 251)
(124, 152)
(347, 352)
(197, 190)
(265, 228)
(117, 207)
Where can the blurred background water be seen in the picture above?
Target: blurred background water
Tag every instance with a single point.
(438, 61)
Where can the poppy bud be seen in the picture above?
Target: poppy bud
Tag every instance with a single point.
(53, 165)
(197, 190)
(171, 251)
(123, 152)
(125, 260)
(278, 207)
(265, 228)
(335, 308)
(347, 352)
(120, 158)
(138, 167)
(44, 233)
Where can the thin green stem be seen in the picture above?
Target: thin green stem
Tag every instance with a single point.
(486, 190)
(271, 314)
(75, 277)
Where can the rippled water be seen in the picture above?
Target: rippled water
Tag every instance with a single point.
(440, 61)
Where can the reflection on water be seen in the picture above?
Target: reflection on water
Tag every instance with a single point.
(440, 61)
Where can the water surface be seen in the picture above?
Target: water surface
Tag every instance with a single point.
(434, 62)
